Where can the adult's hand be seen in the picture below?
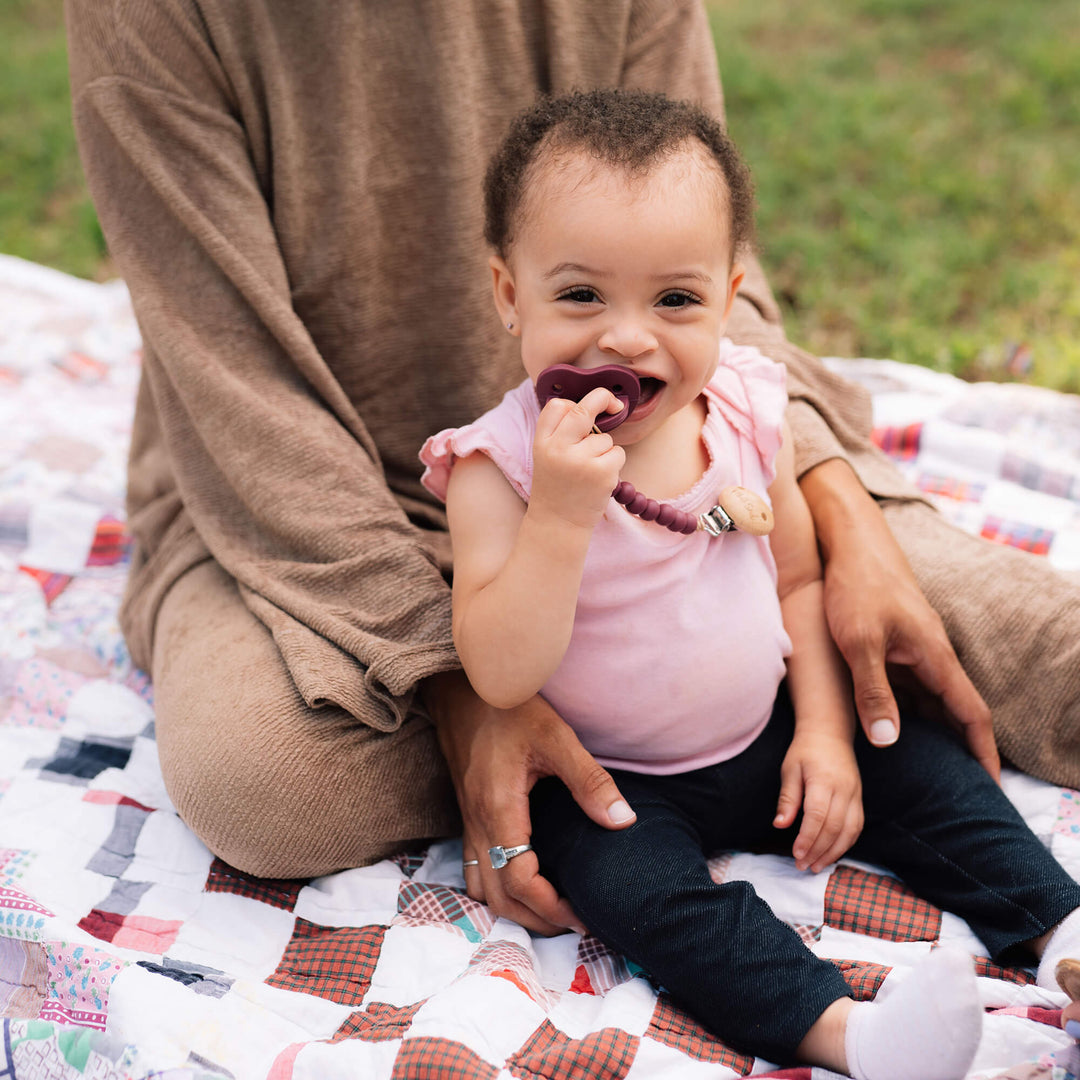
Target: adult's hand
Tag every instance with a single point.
(878, 615)
(495, 758)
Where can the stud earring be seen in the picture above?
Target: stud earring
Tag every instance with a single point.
(509, 326)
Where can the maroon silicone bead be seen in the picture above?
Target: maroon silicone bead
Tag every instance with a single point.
(647, 509)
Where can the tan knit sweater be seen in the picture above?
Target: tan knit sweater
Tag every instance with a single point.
(292, 191)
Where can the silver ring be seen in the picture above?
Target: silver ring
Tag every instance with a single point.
(500, 855)
(470, 862)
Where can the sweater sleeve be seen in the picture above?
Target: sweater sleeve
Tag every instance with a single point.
(271, 464)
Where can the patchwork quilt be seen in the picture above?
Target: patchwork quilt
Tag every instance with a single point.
(127, 951)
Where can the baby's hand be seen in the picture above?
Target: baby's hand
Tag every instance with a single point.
(575, 469)
(820, 775)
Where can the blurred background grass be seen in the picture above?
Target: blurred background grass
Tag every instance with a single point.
(917, 165)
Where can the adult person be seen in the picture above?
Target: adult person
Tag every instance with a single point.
(292, 194)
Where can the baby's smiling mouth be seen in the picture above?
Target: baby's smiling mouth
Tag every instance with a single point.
(649, 388)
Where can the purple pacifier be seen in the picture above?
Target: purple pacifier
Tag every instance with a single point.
(567, 381)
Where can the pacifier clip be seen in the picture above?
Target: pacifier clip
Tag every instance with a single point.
(737, 508)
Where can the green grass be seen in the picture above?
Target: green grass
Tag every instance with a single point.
(918, 174)
(917, 164)
(45, 212)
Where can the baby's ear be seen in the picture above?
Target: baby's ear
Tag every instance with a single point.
(735, 279)
(505, 293)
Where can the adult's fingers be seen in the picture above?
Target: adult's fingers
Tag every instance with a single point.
(517, 891)
(942, 673)
(531, 899)
(874, 701)
(591, 785)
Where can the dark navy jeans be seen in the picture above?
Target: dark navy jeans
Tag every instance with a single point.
(933, 816)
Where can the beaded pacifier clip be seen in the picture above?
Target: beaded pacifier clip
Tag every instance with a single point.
(736, 508)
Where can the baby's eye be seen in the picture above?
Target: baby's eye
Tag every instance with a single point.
(580, 294)
(678, 299)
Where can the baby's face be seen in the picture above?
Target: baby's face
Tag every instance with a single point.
(611, 269)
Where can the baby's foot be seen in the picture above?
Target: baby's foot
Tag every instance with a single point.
(1067, 973)
(1060, 968)
(928, 1028)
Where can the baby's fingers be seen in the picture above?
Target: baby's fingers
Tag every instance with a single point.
(822, 822)
(848, 834)
(791, 794)
(598, 401)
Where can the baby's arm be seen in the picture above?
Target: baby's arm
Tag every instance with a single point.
(819, 772)
(517, 568)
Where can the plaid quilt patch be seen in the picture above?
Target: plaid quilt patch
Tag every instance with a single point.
(598, 969)
(331, 962)
(1019, 976)
(950, 488)
(379, 1022)
(52, 584)
(431, 1058)
(111, 544)
(277, 892)
(901, 443)
(551, 1054)
(409, 861)
(865, 903)
(508, 960)
(864, 978)
(674, 1027)
(1036, 476)
(1017, 534)
(420, 904)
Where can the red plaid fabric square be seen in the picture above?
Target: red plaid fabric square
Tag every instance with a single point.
(111, 544)
(673, 1027)
(330, 962)
(901, 443)
(277, 892)
(429, 1058)
(379, 1022)
(52, 585)
(602, 1055)
(880, 906)
(864, 978)
(950, 487)
(1017, 534)
(1016, 975)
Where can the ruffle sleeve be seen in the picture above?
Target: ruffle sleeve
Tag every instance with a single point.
(505, 434)
(750, 390)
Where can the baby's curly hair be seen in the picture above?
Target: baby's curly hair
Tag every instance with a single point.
(630, 129)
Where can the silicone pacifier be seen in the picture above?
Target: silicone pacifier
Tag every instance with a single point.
(567, 381)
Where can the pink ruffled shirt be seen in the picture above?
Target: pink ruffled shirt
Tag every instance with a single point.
(678, 646)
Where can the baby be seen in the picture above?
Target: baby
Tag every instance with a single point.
(696, 663)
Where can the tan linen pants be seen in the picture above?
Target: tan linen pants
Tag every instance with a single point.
(281, 790)
(273, 787)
